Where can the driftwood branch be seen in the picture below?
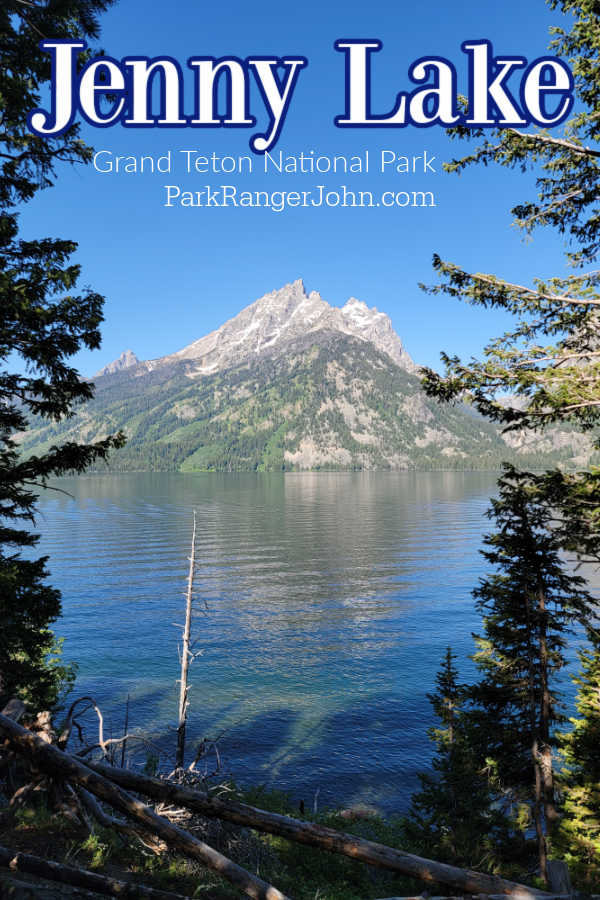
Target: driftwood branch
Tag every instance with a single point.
(71, 720)
(112, 742)
(101, 884)
(186, 655)
(94, 809)
(55, 762)
(481, 897)
(14, 709)
(21, 794)
(125, 727)
(374, 854)
(105, 782)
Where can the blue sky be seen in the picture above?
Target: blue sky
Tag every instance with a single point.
(172, 275)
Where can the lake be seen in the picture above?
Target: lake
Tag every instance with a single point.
(324, 604)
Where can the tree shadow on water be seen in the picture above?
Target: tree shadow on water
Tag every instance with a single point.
(368, 752)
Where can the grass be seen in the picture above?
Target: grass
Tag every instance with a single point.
(301, 872)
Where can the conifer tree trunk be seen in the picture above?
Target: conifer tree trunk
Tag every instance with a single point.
(545, 750)
(535, 751)
(530, 603)
(537, 813)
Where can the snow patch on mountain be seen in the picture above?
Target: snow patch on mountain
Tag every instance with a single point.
(280, 317)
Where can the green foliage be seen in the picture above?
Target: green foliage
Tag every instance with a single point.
(42, 324)
(299, 871)
(34, 816)
(578, 838)
(453, 817)
(550, 360)
(100, 847)
(306, 873)
(543, 371)
(529, 606)
(151, 764)
(28, 161)
(582, 46)
(493, 772)
(333, 402)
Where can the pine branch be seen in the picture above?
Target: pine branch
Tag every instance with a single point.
(559, 142)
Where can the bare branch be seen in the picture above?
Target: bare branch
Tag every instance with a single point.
(560, 201)
(559, 142)
(95, 809)
(521, 289)
(72, 719)
(61, 765)
(101, 884)
(185, 655)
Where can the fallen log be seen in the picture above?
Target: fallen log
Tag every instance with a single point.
(478, 897)
(94, 810)
(481, 897)
(320, 836)
(81, 878)
(53, 761)
(14, 709)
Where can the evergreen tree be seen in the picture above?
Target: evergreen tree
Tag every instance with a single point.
(551, 360)
(452, 817)
(578, 839)
(42, 323)
(545, 369)
(529, 605)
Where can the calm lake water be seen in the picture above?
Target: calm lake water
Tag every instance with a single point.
(325, 602)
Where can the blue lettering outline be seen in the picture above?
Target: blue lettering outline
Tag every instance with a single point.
(216, 83)
(47, 44)
(549, 90)
(99, 61)
(373, 45)
(278, 62)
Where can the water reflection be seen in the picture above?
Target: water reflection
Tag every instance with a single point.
(330, 599)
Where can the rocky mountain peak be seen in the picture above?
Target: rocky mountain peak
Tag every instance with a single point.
(294, 291)
(359, 311)
(376, 327)
(275, 320)
(283, 302)
(126, 360)
(353, 303)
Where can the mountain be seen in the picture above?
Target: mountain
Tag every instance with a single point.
(289, 383)
(277, 319)
(126, 360)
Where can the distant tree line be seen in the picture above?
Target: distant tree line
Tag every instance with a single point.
(254, 419)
